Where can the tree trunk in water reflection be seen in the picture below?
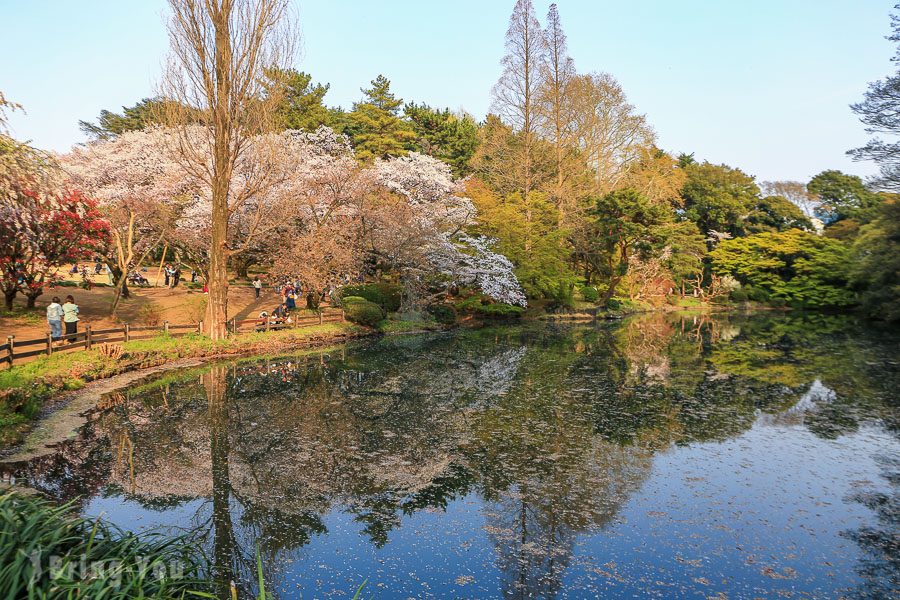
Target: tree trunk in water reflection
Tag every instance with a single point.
(223, 531)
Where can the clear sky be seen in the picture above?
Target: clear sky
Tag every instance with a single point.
(762, 85)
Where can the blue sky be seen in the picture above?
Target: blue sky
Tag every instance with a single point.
(764, 86)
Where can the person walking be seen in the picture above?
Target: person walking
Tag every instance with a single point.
(167, 273)
(257, 285)
(54, 318)
(70, 318)
(176, 276)
(109, 273)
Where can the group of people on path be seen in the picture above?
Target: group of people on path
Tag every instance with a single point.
(59, 315)
(173, 276)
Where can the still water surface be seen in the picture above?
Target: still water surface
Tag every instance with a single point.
(673, 456)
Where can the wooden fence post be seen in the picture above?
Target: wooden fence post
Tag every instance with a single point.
(166, 327)
(234, 325)
(320, 316)
(200, 326)
(10, 342)
(127, 332)
(49, 344)
(343, 316)
(87, 337)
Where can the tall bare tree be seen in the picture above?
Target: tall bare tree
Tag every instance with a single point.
(796, 192)
(220, 50)
(610, 134)
(559, 70)
(516, 94)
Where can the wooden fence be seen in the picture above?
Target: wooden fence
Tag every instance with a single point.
(11, 351)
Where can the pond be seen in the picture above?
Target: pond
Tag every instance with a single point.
(663, 456)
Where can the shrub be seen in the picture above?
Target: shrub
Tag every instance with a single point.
(613, 304)
(500, 311)
(385, 295)
(756, 294)
(590, 294)
(481, 306)
(562, 296)
(364, 312)
(352, 299)
(445, 314)
(739, 295)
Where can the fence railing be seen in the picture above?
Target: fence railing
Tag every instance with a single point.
(11, 351)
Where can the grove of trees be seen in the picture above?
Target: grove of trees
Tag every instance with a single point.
(560, 193)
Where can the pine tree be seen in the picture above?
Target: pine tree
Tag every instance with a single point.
(375, 125)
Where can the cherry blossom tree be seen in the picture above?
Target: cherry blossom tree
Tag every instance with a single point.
(427, 238)
(141, 189)
(39, 234)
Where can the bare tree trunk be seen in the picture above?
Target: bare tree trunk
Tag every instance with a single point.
(221, 75)
(9, 296)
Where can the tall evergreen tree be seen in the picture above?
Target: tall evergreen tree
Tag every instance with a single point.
(301, 103)
(132, 118)
(375, 125)
(442, 134)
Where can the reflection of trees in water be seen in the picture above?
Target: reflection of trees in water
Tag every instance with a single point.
(880, 567)
(554, 426)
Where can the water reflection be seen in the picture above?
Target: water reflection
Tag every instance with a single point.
(539, 434)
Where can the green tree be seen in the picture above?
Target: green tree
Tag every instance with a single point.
(623, 223)
(718, 197)
(686, 253)
(875, 267)
(302, 102)
(375, 125)
(444, 135)
(132, 118)
(536, 246)
(774, 213)
(843, 197)
(794, 266)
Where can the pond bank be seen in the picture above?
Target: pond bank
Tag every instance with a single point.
(34, 391)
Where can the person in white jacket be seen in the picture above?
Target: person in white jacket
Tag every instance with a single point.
(54, 318)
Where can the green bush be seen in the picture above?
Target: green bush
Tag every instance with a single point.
(613, 304)
(500, 311)
(481, 305)
(346, 300)
(364, 312)
(445, 314)
(756, 294)
(386, 295)
(470, 304)
(562, 296)
(590, 294)
(739, 295)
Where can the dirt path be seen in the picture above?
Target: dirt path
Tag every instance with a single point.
(147, 306)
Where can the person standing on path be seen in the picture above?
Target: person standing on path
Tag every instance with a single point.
(257, 285)
(54, 318)
(70, 317)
